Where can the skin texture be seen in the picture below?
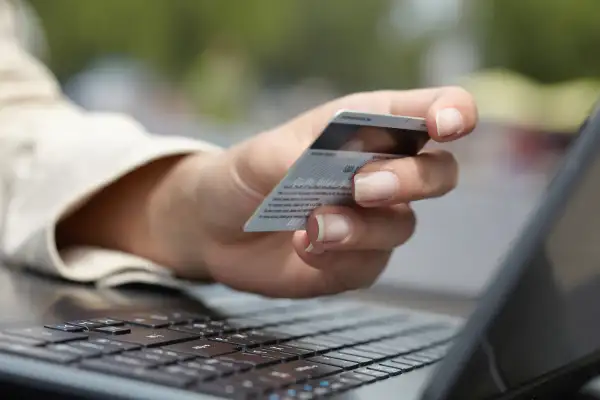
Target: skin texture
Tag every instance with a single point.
(187, 212)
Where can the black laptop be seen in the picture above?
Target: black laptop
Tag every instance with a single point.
(534, 334)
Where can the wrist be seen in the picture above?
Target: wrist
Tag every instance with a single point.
(172, 214)
(125, 215)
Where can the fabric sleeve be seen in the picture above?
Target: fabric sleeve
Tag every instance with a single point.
(53, 157)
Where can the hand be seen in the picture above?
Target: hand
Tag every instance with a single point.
(191, 216)
(347, 247)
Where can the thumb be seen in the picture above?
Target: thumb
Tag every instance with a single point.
(230, 185)
(259, 163)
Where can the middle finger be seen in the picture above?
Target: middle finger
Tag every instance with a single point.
(429, 174)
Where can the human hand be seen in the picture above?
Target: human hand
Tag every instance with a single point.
(343, 248)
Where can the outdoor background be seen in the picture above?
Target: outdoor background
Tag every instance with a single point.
(225, 70)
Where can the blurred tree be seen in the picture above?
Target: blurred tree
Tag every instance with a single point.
(548, 40)
(285, 41)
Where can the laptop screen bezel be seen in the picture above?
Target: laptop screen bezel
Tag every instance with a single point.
(578, 159)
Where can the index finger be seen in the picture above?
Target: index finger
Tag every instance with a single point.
(450, 112)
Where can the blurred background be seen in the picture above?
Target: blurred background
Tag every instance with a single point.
(223, 71)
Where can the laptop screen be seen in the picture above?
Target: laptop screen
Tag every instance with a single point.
(541, 314)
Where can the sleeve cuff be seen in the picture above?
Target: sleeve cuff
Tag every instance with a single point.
(106, 267)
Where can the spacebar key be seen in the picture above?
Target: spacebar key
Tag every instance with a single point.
(37, 352)
(149, 375)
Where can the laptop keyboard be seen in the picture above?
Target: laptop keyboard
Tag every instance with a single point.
(293, 352)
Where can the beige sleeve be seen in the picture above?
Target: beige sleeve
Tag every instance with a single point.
(53, 156)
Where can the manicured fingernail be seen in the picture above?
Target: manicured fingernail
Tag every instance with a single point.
(375, 186)
(311, 249)
(449, 121)
(332, 228)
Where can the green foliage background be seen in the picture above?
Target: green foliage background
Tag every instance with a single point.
(346, 42)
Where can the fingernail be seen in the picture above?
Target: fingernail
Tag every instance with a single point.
(332, 228)
(311, 249)
(449, 122)
(375, 186)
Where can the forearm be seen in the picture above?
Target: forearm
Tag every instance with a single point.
(130, 215)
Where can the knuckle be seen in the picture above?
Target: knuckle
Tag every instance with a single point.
(438, 174)
(449, 173)
(456, 90)
(410, 222)
(407, 219)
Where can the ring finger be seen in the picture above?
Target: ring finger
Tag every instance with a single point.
(334, 228)
(427, 175)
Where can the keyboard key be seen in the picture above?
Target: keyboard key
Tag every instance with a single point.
(324, 386)
(216, 367)
(323, 342)
(267, 336)
(96, 348)
(46, 335)
(404, 362)
(113, 330)
(153, 321)
(149, 375)
(276, 378)
(196, 374)
(224, 389)
(78, 351)
(206, 371)
(156, 359)
(110, 346)
(346, 342)
(377, 349)
(272, 353)
(362, 354)
(65, 328)
(402, 367)
(420, 358)
(371, 372)
(225, 327)
(239, 339)
(342, 383)
(286, 348)
(303, 369)
(307, 346)
(150, 337)
(314, 389)
(131, 361)
(244, 324)
(301, 392)
(183, 317)
(255, 382)
(203, 348)
(39, 353)
(84, 323)
(347, 357)
(108, 321)
(173, 355)
(237, 367)
(360, 377)
(197, 328)
(247, 358)
(336, 362)
(20, 340)
(386, 369)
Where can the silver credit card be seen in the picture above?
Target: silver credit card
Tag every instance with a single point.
(323, 173)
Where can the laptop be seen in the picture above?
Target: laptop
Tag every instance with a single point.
(535, 332)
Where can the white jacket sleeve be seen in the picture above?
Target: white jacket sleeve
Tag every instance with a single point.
(53, 156)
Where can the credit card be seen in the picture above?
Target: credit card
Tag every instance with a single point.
(323, 174)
